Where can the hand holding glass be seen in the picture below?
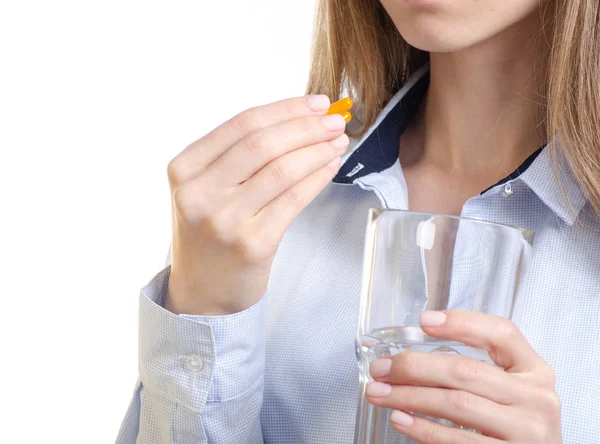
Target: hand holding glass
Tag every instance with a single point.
(416, 262)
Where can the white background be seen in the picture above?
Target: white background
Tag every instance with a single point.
(95, 98)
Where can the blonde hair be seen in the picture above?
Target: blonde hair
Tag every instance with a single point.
(358, 51)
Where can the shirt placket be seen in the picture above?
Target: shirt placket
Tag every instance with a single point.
(467, 290)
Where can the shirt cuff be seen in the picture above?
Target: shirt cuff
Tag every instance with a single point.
(195, 359)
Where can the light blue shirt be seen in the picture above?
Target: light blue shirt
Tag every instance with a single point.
(285, 371)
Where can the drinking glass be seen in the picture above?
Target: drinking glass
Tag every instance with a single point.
(416, 262)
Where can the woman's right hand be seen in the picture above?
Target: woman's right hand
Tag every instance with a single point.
(236, 191)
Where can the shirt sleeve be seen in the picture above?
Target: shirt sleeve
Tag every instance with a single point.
(201, 377)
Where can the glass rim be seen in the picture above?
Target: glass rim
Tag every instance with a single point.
(529, 234)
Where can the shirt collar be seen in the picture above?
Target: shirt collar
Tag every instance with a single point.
(550, 177)
(377, 150)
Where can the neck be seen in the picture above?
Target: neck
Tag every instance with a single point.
(485, 105)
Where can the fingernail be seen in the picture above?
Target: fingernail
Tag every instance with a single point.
(335, 163)
(333, 122)
(318, 103)
(341, 143)
(378, 389)
(432, 318)
(380, 367)
(400, 418)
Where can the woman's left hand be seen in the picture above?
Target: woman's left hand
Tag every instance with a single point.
(516, 405)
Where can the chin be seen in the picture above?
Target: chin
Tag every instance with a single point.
(434, 37)
(433, 43)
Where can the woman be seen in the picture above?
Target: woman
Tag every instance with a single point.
(248, 336)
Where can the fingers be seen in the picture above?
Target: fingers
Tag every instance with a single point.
(425, 431)
(458, 406)
(206, 150)
(285, 207)
(452, 372)
(284, 172)
(507, 347)
(262, 233)
(261, 147)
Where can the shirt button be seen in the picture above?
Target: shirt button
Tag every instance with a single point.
(193, 363)
(507, 190)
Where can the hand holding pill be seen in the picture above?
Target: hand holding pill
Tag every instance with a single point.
(235, 192)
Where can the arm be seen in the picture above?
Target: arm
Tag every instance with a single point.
(235, 192)
(201, 377)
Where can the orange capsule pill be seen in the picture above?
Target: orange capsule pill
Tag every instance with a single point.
(347, 116)
(340, 106)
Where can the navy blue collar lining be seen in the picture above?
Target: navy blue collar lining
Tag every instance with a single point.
(379, 151)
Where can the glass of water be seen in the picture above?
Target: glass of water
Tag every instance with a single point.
(416, 262)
